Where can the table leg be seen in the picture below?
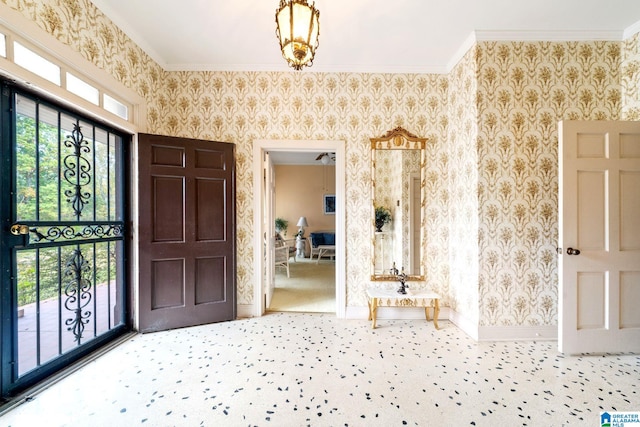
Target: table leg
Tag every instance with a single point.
(374, 312)
(369, 304)
(426, 312)
(436, 312)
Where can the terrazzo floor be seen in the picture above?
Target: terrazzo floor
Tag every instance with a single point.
(292, 369)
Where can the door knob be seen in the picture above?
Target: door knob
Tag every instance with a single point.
(571, 251)
(19, 229)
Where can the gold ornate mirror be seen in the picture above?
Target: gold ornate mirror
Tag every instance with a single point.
(398, 180)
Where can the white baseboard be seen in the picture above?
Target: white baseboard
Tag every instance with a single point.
(503, 333)
(465, 324)
(478, 333)
(244, 311)
(518, 333)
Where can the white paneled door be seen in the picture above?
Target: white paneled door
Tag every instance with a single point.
(599, 237)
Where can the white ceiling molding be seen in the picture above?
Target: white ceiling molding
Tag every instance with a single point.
(124, 24)
(631, 30)
(548, 36)
(462, 51)
(470, 41)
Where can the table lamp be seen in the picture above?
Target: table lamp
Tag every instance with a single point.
(302, 223)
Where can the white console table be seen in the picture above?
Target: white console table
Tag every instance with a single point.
(326, 250)
(391, 298)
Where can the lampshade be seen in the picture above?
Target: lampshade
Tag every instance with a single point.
(302, 222)
(297, 29)
(325, 159)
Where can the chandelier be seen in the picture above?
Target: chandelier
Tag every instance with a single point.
(297, 29)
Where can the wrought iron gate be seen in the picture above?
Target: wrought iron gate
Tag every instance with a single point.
(63, 237)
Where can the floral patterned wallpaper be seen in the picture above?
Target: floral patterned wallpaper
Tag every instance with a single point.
(243, 106)
(524, 89)
(491, 215)
(461, 181)
(630, 77)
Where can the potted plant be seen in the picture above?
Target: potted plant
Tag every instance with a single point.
(282, 225)
(383, 216)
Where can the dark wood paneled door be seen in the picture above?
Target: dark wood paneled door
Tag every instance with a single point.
(187, 232)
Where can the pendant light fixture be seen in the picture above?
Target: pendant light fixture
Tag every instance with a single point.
(297, 29)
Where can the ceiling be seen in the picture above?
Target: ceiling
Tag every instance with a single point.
(299, 158)
(399, 36)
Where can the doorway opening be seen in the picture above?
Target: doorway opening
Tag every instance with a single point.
(264, 218)
(304, 278)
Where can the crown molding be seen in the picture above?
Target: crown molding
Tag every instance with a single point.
(110, 13)
(550, 36)
(316, 68)
(631, 30)
(467, 44)
(473, 38)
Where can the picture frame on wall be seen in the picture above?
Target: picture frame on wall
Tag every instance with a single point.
(329, 204)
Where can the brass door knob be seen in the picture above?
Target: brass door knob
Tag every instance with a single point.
(19, 229)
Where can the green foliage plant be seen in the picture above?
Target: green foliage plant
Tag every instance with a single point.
(281, 225)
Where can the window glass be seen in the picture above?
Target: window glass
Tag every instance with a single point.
(116, 107)
(3, 45)
(82, 89)
(35, 63)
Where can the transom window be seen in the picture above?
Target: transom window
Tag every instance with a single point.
(39, 64)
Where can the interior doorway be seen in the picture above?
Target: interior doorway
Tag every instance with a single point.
(264, 216)
(302, 282)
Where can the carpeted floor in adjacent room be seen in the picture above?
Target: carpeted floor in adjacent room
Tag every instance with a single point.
(310, 288)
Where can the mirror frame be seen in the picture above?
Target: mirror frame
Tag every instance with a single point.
(398, 139)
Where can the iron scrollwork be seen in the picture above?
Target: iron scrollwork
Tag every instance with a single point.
(70, 232)
(78, 293)
(77, 170)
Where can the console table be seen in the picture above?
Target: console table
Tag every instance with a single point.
(391, 298)
(328, 250)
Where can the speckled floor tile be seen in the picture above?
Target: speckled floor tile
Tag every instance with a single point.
(290, 369)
